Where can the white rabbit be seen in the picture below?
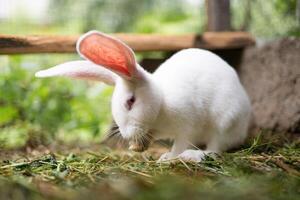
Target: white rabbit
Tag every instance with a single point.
(194, 97)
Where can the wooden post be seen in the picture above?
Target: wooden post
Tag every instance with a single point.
(218, 15)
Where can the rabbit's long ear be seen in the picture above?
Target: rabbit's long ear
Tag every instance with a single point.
(81, 70)
(108, 52)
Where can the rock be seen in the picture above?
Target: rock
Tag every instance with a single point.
(271, 76)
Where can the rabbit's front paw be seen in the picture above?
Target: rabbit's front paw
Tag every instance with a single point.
(192, 155)
(165, 157)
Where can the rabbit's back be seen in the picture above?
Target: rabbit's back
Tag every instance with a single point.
(194, 65)
(202, 88)
(196, 73)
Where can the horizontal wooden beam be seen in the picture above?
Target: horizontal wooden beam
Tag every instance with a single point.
(12, 44)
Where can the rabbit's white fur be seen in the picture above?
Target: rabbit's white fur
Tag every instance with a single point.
(210, 106)
(194, 97)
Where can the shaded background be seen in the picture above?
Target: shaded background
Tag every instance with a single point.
(39, 111)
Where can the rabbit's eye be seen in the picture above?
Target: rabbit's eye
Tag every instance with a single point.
(130, 102)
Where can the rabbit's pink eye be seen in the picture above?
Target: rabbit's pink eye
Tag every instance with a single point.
(130, 102)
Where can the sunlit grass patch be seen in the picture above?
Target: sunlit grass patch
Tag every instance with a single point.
(265, 169)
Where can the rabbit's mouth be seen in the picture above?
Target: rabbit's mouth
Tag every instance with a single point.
(137, 134)
(140, 144)
(140, 138)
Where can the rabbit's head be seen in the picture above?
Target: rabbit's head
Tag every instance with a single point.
(136, 100)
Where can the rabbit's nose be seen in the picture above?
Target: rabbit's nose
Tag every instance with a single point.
(132, 132)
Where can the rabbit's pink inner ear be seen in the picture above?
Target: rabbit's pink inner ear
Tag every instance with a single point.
(107, 52)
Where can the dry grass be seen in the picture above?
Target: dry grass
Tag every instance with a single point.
(266, 168)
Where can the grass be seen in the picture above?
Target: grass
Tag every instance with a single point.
(266, 168)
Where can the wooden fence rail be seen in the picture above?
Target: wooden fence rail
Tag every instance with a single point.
(12, 44)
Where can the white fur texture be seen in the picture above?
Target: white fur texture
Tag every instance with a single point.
(204, 102)
(80, 69)
(194, 97)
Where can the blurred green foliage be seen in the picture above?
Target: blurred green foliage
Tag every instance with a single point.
(33, 108)
(125, 15)
(266, 19)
